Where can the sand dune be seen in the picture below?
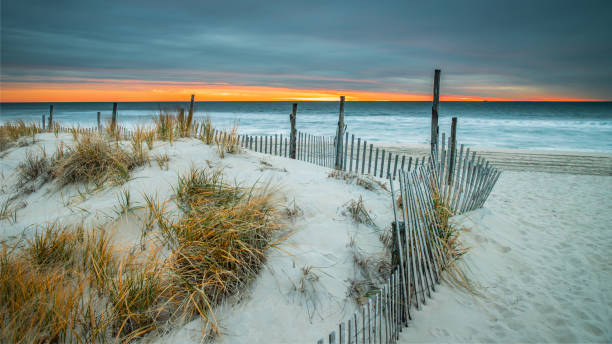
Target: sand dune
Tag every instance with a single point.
(540, 247)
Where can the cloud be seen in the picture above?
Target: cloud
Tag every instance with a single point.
(490, 48)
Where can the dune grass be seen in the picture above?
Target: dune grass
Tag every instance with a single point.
(365, 181)
(43, 286)
(74, 284)
(228, 142)
(219, 245)
(33, 167)
(358, 212)
(452, 249)
(92, 159)
(11, 132)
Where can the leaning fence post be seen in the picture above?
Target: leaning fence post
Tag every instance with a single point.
(292, 138)
(345, 151)
(453, 148)
(370, 159)
(339, 135)
(190, 116)
(114, 118)
(351, 158)
(51, 117)
(434, 111)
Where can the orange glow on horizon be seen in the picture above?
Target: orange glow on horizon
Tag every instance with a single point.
(152, 91)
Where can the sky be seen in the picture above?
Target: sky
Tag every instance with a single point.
(152, 50)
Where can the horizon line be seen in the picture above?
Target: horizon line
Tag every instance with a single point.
(139, 92)
(322, 101)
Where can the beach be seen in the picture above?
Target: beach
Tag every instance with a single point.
(538, 249)
(540, 256)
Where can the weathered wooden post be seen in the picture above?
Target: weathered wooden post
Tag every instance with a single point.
(114, 118)
(434, 111)
(181, 121)
(190, 116)
(453, 148)
(339, 135)
(293, 134)
(43, 122)
(99, 123)
(51, 117)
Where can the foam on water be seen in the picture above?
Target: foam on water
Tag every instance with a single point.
(526, 125)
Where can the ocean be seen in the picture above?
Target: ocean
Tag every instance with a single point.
(571, 126)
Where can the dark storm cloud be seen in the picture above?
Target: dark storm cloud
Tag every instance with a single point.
(485, 48)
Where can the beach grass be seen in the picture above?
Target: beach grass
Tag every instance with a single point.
(219, 245)
(11, 132)
(77, 284)
(92, 159)
(33, 167)
(452, 249)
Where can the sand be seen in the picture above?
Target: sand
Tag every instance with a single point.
(507, 159)
(271, 310)
(541, 253)
(540, 250)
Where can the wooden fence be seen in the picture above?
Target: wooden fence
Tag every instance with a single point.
(451, 180)
(357, 156)
(377, 321)
(318, 150)
(456, 179)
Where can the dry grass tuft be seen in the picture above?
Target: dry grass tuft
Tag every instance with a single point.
(206, 130)
(452, 249)
(72, 284)
(228, 142)
(33, 167)
(8, 211)
(95, 160)
(44, 293)
(365, 181)
(52, 246)
(219, 245)
(162, 160)
(136, 294)
(357, 211)
(11, 132)
(165, 125)
(307, 287)
(292, 210)
(371, 272)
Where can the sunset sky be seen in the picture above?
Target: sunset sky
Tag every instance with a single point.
(309, 50)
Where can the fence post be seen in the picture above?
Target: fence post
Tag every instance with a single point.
(339, 135)
(114, 118)
(434, 111)
(99, 124)
(292, 138)
(190, 116)
(51, 117)
(181, 119)
(43, 122)
(453, 148)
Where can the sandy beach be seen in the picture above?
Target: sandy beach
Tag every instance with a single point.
(507, 159)
(540, 254)
(539, 249)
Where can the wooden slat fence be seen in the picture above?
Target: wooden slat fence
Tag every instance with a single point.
(358, 156)
(318, 150)
(454, 180)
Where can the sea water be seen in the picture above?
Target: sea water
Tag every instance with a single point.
(574, 126)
